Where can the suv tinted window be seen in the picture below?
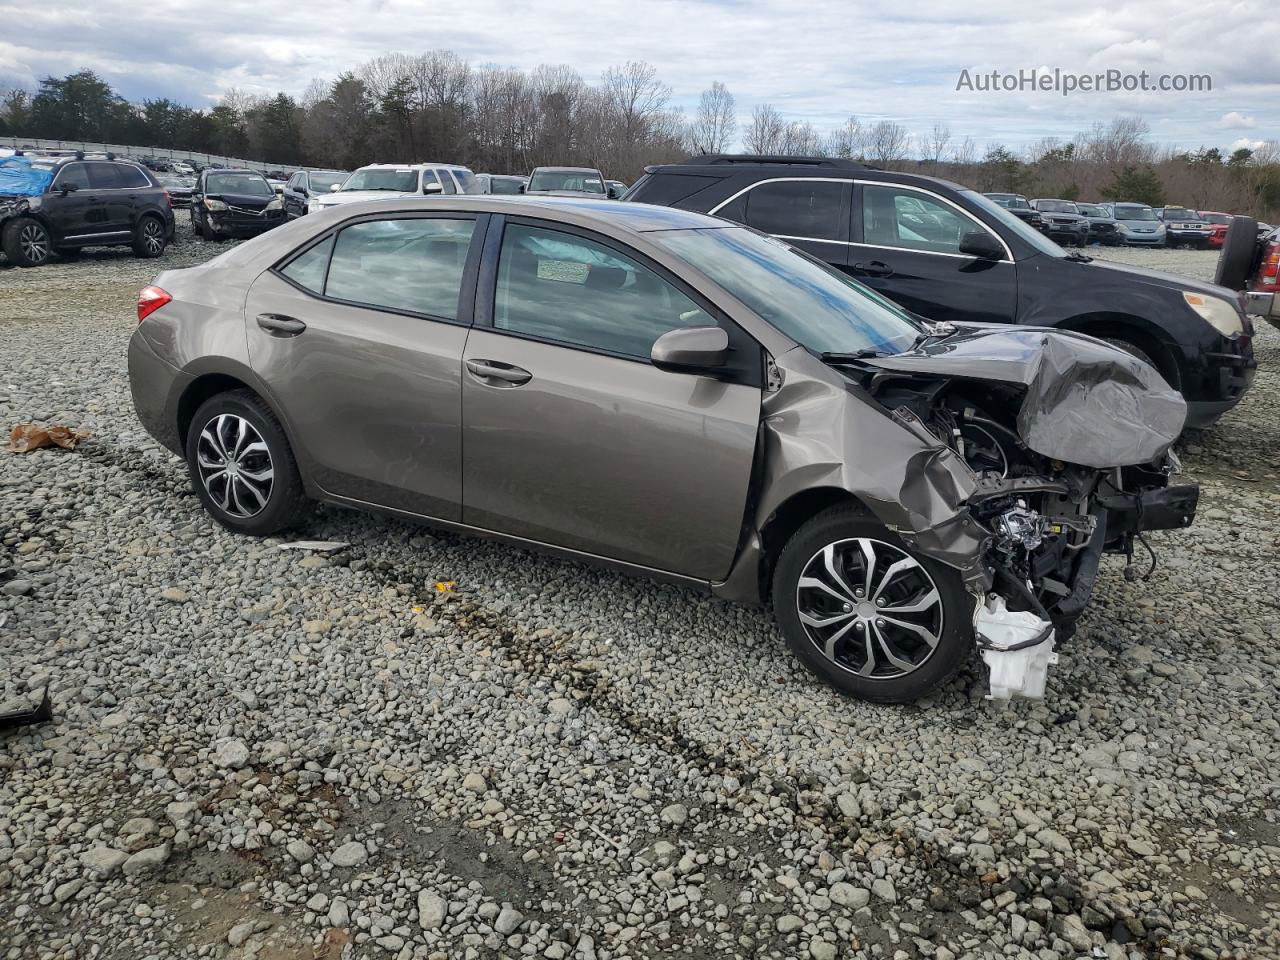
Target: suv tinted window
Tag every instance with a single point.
(561, 287)
(103, 175)
(72, 175)
(897, 217)
(798, 208)
(131, 176)
(404, 264)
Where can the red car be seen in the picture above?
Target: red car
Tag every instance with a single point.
(1218, 223)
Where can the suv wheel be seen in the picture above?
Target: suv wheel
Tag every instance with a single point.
(866, 613)
(242, 467)
(148, 238)
(26, 242)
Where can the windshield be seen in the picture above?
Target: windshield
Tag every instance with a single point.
(1223, 218)
(1180, 213)
(1056, 206)
(321, 182)
(245, 184)
(1091, 210)
(1013, 224)
(1009, 200)
(504, 185)
(1128, 212)
(811, 303)
(581, 181)
(383, 178)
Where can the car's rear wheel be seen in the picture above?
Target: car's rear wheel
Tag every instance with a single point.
(242, 467)
(26, 242)
(148, 238)
(866, 613)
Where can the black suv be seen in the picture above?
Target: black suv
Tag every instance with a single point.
(234, 203)
(304, 185)
(948, 253)
(84, 202)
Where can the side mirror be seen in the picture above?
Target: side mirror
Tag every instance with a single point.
(522, 188)
(68, 188)
(334, 187)
(432, 188)
(691, 350)
(981, 244)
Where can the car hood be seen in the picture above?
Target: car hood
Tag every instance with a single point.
(355, 196)
(1157, 278)
(1085, 403)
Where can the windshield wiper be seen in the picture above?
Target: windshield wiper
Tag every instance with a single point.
(1078, 257)
(837, 357)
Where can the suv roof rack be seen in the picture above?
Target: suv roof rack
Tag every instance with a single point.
(725, 159)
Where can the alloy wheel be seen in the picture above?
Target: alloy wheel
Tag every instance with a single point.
(870, 608)
(234, 465)
(152, 236)
(33, 241)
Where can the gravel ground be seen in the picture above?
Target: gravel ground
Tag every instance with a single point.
(272, 753)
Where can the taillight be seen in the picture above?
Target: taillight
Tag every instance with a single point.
(1269, 272)
(150, 300)
(168, 199)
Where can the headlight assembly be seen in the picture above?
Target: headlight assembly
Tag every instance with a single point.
(275, 204)
(1221, 315)
(214, 204)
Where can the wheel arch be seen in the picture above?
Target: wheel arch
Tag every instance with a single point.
(788, 517)
(1141, 333)
(209, 381)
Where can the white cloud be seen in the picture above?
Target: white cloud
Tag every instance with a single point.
(821, 62)
(1244, 143)
(1236, 121)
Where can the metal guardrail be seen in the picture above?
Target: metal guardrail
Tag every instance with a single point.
(126, 150)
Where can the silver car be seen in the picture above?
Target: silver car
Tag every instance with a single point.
(676, 396)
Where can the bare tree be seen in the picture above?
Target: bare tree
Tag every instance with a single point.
(845, 141)
(766, 132)
(800, 139)
(965, 153)
(635, 93)
(886, 143)
(715, 124)
(936, 144)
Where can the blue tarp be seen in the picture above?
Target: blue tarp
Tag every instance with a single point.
(19, 178)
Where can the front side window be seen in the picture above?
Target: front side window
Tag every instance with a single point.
(812, 209)
(1015, 225)
(571, 290)
(72, 175)
(799, 295)
(894, 217)
(410, 264)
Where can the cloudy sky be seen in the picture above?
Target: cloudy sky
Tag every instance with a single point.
(821, 61)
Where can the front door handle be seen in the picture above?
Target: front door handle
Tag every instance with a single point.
(876, 268)
(497, 370)
(279, 326)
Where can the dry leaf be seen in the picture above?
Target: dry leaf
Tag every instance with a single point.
(32, 436)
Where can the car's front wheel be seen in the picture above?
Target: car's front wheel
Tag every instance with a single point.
(26, 242)
(866, 613)
(242, 467)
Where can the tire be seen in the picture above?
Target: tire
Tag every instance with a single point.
(149, 240)
(1239, 250)
(198, 227)
(26, 242)
(244, 501)
(848, 533)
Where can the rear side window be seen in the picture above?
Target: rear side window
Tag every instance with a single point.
(571, 290)
(406, 264)
(308, 270)
(104, 176)
(813, 209)
(131, 176)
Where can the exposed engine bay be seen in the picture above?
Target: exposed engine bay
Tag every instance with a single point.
(1047, 520)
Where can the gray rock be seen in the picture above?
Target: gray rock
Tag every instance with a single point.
(883, 888)
(675, 814)
(509, 920)
(300, 850)
(350, 854)
(146, 861)
(432, 910)
(103, 862)
(231, 753)
(847, 895)
(474, 783)
(241, 932)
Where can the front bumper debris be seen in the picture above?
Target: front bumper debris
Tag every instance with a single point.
(1017, 647)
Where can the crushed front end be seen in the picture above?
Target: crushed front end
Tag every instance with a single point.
(1069, 443)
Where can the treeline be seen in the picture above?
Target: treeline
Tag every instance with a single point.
(437, 106)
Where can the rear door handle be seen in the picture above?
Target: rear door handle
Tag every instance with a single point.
(279, 326)
(497, 370)
(876, 268)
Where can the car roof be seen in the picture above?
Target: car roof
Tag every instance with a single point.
(569, 169)
(781, 167)
(413, 166)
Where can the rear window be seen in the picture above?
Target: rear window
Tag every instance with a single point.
(668, 189)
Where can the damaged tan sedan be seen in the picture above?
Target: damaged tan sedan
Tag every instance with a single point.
(676, 396)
